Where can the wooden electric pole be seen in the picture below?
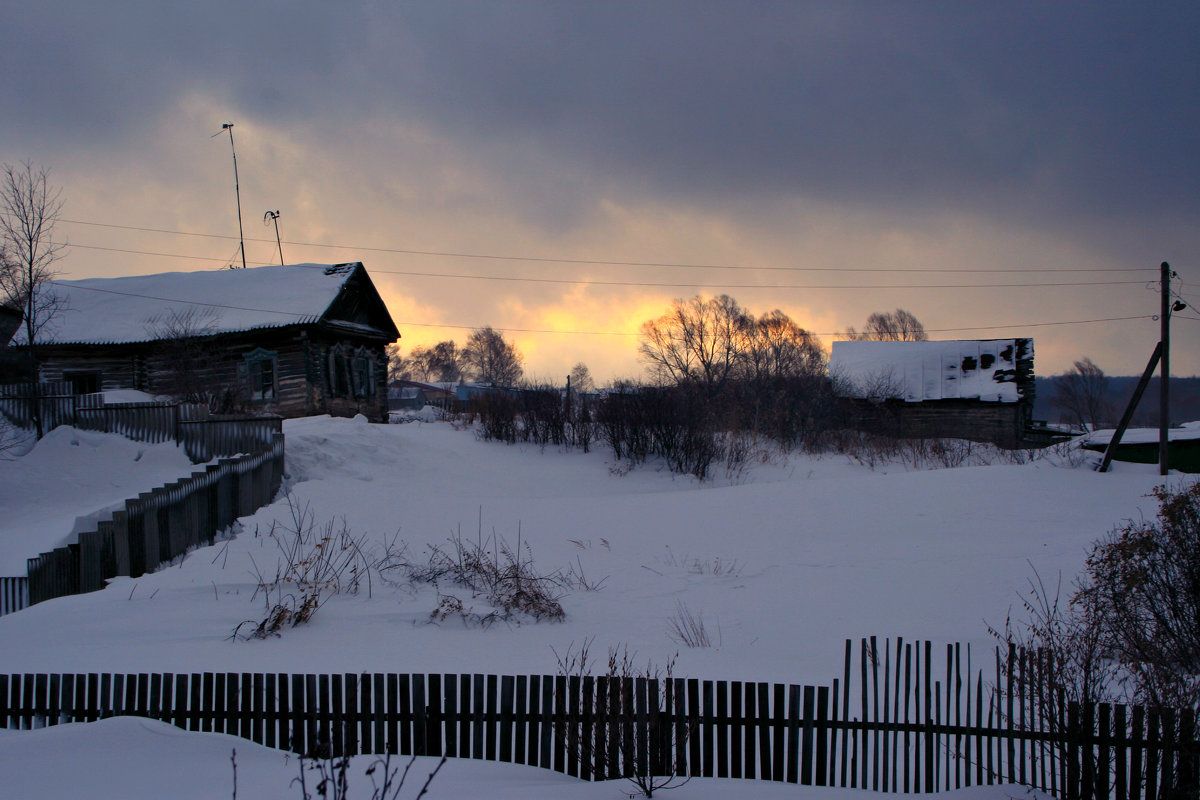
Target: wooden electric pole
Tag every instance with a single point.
(1164, 365)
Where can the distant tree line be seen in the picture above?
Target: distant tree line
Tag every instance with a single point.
(487, 357)
(1085, 397)
(719, 378)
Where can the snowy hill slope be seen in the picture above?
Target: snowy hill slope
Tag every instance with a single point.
(781, 564)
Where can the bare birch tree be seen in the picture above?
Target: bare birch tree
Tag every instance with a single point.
(1081, 394)
(29, 210)
(891, 326)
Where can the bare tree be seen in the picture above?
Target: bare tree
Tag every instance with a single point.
(581, 378)
(442, 362)
(1080, 394)
(187, 353)
(891, 326)
(29, 209)
(489, 358)
(700, 340)
(777, 347)
(399, 368)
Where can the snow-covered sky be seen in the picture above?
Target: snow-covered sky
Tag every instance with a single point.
(829, 136)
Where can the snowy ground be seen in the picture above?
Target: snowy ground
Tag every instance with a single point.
(782, 562)
(127, 759)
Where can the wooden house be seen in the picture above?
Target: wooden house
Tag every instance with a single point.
(290, 340)
(981, 390)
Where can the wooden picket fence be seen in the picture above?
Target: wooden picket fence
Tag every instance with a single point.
(159, 525)
(597, 728)
(190, 425)
(14, 594)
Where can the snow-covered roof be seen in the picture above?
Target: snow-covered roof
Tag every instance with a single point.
(915, 371)
(144, 307)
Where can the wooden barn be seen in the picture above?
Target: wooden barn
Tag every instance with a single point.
(289, 340)
(981, 390)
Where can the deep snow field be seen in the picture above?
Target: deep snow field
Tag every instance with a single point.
(782, 561)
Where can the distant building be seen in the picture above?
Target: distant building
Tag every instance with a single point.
(981, 390)
(289, 340)
(414, 395)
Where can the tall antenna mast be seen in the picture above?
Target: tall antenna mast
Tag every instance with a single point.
(228, 126)
(274, 215)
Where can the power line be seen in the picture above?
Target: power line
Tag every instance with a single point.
(570, 332)
(162, 255)
(612, 263)
(658, 284)
(665, 285)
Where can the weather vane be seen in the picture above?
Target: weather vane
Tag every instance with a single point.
(274, 215)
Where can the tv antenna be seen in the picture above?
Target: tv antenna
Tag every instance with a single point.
(228, 126)
(274, 216)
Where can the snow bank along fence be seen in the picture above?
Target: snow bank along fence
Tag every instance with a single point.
(190, 425)
(160, 525)
(911, 729)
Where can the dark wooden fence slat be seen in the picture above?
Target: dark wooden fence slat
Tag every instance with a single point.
(435, 722)
(823, 736)
(712, 708)
(546, 726)
(520, 746)
(508, 716)
(477, 716)
(534, 757)
(736, 764)
(465, 713)
(807, 750)
(491, 721)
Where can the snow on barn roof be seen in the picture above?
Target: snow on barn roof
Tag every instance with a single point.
(916, 371)
(146, 307)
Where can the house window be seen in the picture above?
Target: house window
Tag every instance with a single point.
(351, 373)
(339, 374)
(361, 373)
(260, 374)
(83, 382)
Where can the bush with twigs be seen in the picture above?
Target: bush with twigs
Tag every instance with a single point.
(314, 562)
(486, 581)
(635, 734)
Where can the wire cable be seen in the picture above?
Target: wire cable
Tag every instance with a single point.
(606, 262)
(663, 284)
(69, 285)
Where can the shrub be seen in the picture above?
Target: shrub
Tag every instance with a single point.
(1131, 630)
(639, 737)
(314, 562)
(501, 578)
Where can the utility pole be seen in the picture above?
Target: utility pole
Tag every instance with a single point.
(1164, 398)
(228, 126)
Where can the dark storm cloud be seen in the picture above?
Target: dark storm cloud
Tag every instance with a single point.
(1058, 103)
(1084, 109)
